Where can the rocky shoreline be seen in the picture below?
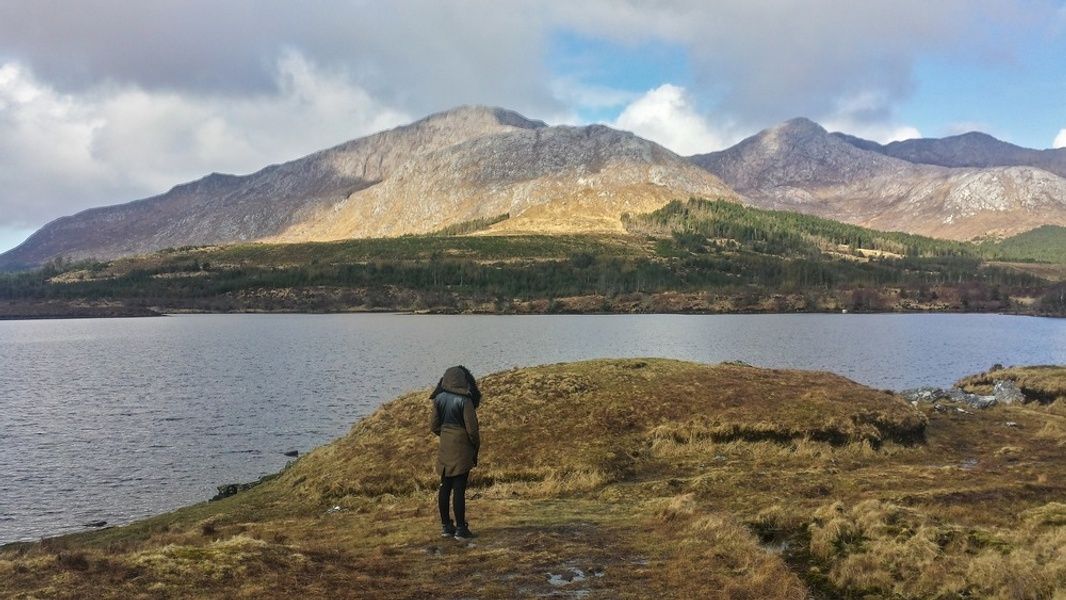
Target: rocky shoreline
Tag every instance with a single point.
(1006, 392)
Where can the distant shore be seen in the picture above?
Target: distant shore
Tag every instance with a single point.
(58, 311)
(130, 312)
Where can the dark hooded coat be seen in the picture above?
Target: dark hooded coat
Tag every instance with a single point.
(454, 418)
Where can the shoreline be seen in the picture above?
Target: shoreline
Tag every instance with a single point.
(121, 314)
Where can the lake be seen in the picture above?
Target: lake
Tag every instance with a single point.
(116, 419)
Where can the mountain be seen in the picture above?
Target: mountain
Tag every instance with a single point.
(551, 180)
(494, 166)
(799, 166)
(467, 163)
(973, 149)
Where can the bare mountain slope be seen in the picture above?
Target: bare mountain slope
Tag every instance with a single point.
(799, 166)
(555, 179)
(973, 149)
(229, 208)
(450, 167)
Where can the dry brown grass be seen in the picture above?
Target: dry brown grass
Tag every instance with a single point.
(891, 551)
(590, 423)
(622, 479)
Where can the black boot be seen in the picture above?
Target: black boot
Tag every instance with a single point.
(462, 532)
(447, 529)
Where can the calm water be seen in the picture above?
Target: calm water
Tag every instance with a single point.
(116, 419)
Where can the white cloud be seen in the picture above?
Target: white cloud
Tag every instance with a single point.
(1060, 140)
(764, 61)
(61, 152)
(665, 115)
(881, 133)
(869, 115)
(960, 127)
(575, 93)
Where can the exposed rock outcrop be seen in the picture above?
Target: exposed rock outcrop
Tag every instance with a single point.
(934, 395)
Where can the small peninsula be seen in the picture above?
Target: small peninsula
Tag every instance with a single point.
(629, 479)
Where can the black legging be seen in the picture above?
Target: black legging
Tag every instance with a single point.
(456, 486)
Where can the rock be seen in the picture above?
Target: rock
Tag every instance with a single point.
(1007, 392)
(926, 394)
(934, 395)
(292, 453)
(96, 524)
(232, 489)
(980, 401)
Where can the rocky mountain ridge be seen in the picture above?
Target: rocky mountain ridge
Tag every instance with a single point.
(972, 149)
(799, 166)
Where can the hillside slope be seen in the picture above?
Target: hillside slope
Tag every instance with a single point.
(695, 256)
(228, 208)
(799, 166)
(623, 479)
(549, 180)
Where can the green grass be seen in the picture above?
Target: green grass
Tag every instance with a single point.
(779, 232)
(472, 225)
(1043, 244)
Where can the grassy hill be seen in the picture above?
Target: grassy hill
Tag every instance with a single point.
(783, 233)
(696, 256)
(1044, 244)
(623, 479)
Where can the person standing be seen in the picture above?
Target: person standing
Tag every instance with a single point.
(454, 420)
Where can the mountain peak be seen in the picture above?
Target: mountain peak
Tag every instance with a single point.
(797, 132)
(977, 135)
(799, 126)
(481, 113)
(790, 156)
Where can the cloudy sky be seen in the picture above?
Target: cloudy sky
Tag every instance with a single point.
(106, 101)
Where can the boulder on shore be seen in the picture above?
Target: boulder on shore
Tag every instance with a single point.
(1007, 392)
(934, 394)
